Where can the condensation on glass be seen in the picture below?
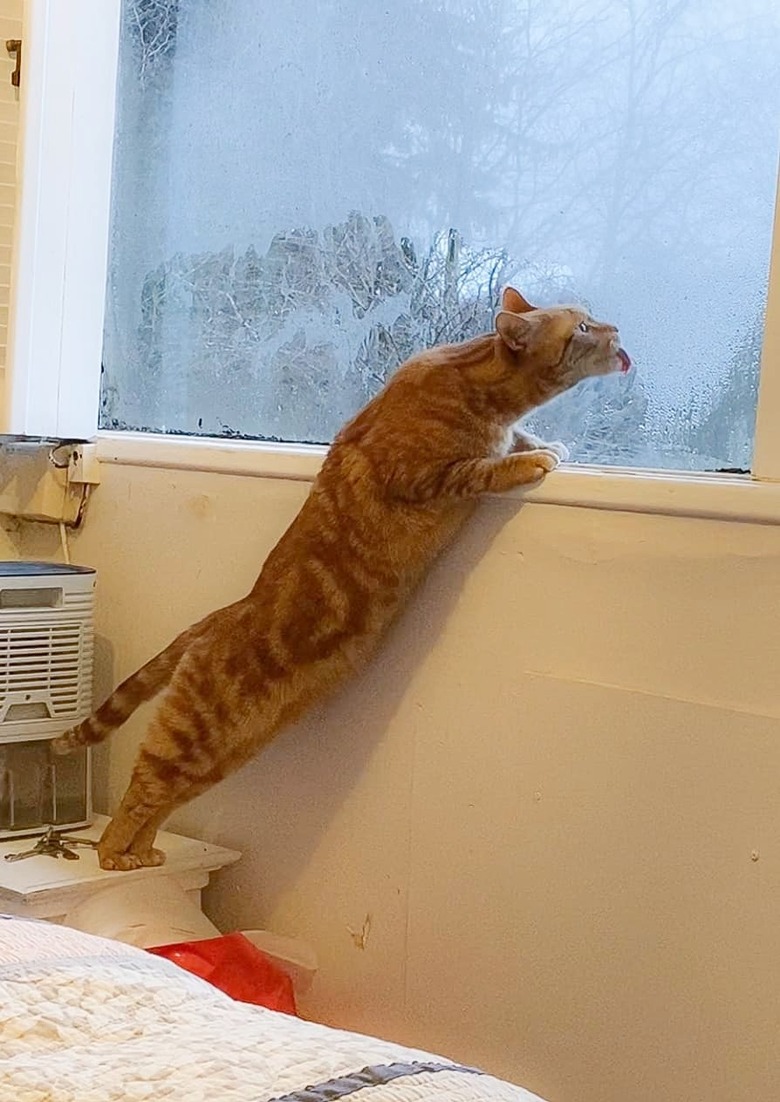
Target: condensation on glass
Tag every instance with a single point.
(306, 194)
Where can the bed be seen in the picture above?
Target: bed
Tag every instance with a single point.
(84, 1019)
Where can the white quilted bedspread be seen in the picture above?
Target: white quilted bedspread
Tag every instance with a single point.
(87, 1020)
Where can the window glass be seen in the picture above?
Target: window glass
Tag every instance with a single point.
(307, 193)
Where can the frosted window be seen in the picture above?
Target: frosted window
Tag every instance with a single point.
(306, 193)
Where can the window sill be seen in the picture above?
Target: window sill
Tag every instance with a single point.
(618, 489)
(253, 458)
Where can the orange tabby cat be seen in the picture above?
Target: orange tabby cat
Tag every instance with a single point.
(399, 481)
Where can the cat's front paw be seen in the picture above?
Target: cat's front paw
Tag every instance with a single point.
(545, 460)
(558, 448)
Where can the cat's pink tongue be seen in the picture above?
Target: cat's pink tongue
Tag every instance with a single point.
(625, 360)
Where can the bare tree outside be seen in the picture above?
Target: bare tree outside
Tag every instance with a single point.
(152, 26)
(305, 197)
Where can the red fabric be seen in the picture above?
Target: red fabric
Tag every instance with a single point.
(234, 965)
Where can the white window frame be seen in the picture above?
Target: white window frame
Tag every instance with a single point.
(67, 102)
(56, 325)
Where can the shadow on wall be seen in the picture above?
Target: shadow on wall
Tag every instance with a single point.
(281, 802)
(103, 685)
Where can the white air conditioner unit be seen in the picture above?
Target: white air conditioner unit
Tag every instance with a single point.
(46, 652)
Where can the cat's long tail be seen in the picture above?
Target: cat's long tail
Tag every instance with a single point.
(134, 691)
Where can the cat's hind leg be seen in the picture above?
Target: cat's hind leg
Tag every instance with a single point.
(142, 846)
(126, 843)
(211, 721)
(180, 753)
(200, 732)
(128, 840)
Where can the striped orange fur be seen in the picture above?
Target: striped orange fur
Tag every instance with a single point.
(399, 481)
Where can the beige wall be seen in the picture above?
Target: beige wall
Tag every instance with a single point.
(554, 802)
(10, 27)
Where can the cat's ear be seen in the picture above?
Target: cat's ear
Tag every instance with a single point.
(514, 330)
(514, 302)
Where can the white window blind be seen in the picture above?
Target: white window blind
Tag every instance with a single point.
(64, 170)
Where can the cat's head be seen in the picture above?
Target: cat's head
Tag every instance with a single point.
(554, 349)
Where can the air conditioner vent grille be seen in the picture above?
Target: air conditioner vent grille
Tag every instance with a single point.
(46, 654)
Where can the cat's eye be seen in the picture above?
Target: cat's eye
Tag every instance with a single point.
(584, 327)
